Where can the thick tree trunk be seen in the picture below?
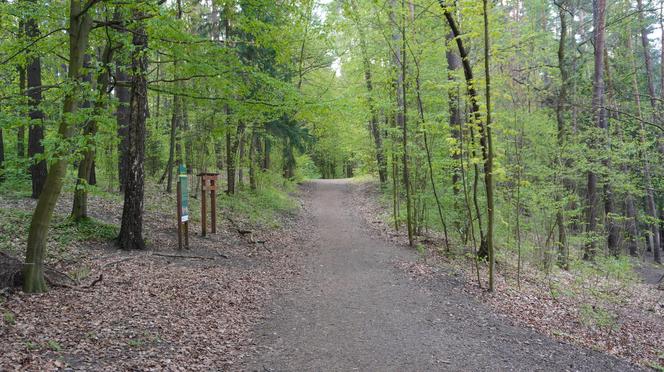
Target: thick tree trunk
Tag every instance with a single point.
(80, 24)
(131, 228)
(122, 117)
(38, 170)
(599, 117)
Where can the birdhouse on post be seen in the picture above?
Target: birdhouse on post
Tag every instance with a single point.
(208, 184)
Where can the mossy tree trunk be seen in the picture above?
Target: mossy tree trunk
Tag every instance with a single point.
(80, 23)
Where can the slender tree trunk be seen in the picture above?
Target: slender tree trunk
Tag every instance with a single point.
(20, 131)
(122, 117)
(561, 109)
(241, 162)
(456, 119)
(86, 166)
(399, 60)
(374, 129)
(266, 154)
(651, 206)
(176, 119)
(2, 157)
(477, 118)
(488, 168)
(255, 144)
(219, 154)
(80, 23)
(599, 117)
(38, 169)
(131, 227)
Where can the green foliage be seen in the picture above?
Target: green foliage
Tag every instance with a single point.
(263, 206)
(9, 318)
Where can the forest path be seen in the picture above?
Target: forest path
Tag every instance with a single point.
(352, 309)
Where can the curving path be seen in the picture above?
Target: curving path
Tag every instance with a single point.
(353, 310)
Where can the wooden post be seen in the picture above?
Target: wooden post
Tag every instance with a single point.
(203, 207)
(208, 183)
(213, 203)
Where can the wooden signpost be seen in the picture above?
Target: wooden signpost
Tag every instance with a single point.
(183, 207)
(208, 183)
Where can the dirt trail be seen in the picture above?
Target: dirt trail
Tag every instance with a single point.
(353, 310)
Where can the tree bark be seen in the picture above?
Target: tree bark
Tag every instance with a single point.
(255, 144)
(20, 131)
(599, 117)
(38, 169)
(122, 117)
(475, 114)
(651, 206)
(374, 129)
(2, 157)
(131, 228)
(456, 119)
(176, 120)
(488, 169)
(86, 166)
(80, 23)
(399, 61)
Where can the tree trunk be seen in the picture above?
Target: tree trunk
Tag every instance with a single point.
(240, 162)
(2, 157)
(20, 131)
(599, 117)
(176, 119)
(266, 154)
(219, 154)
(131, 228)
(255, 143)
(456, 120)
(80, 24)
(561, 108)
(399, 61)
(122, 117)
(86, 166)
(488, 168)
(475, 114)
(373, 111)
(38, 169)
(651, 206)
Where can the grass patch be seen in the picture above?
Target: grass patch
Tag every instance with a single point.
(263, 207)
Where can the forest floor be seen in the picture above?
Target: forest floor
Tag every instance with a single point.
(322, 284)
(146, 310)
(355, 307)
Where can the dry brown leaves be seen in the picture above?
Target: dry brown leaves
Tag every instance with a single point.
(150, 312)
